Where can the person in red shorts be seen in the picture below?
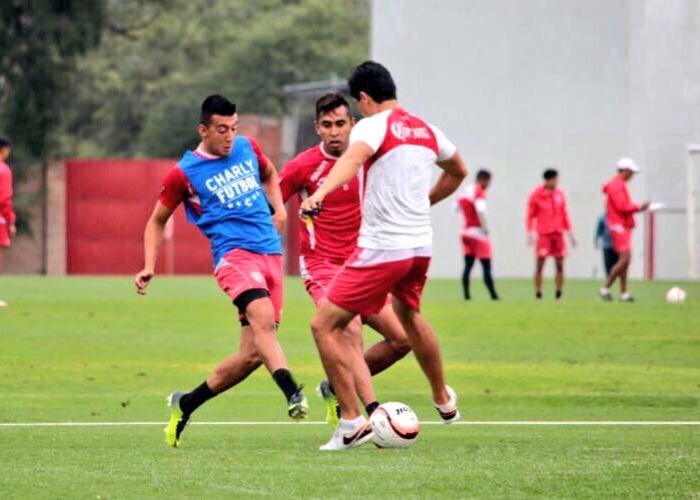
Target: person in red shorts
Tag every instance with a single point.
(471, 202)
(397, 152)
(619, 217)
(547, 221)
(327, 240)
(228, 188)
(7, 213)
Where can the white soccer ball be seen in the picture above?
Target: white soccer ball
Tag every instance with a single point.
(675, 295)
(395, 425)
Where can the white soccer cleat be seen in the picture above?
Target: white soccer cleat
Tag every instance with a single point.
(605, 294)
(349, 435)
(449, 412)
(3, 303)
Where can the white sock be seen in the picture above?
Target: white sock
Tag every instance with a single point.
(447, 406)
(605, 290)
(352, 423)
(625, 295)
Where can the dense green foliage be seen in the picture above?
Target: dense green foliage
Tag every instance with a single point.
(90, 350)
(139, 94)
(125, 77)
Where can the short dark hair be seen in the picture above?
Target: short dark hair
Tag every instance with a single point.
(4, 142)
(483, 174)
(216, 105)
(374, 80)
(328, 102)
(550, 173)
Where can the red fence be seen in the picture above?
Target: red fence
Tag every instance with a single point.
(108, 204)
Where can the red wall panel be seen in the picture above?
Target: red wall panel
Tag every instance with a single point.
(108, 204)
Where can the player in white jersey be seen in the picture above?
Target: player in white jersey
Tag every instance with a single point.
(398, 152)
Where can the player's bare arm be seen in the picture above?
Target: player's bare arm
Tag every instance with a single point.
(344, 170)
(152, 239)
(454, 172)
(270, 180)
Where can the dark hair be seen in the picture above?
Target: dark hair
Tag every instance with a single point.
(216, 105)
(329, 102)
(550, 173)
(374, 80)
(4, 142)
(483, 174)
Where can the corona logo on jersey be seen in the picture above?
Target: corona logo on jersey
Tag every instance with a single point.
(234, 183)
(402, 132)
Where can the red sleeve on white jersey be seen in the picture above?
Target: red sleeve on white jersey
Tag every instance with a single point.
(176, 188)
(371, 131)
(263, 161)
(446, 149)
(291, 178)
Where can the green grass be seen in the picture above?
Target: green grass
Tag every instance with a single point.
(90, 350)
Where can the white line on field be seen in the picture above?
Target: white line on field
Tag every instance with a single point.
(465, 422)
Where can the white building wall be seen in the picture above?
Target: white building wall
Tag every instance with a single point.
(521, 85)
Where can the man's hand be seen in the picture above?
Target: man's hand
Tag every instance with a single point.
(572, 239)
(311, 203)
(644, 206)
(13, 229)
(279, 219)
(530, 239)
(142, 280)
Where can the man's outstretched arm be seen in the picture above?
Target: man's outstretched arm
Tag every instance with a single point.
(152, 240)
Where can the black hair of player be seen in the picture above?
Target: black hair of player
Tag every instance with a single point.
(4, 142)
(550, 173)
(328, 102)
(374, 80)
(483, 174)
(216, 105)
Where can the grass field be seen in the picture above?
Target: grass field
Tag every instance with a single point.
(90, 350)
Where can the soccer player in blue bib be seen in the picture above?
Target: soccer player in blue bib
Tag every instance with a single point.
(225, 186)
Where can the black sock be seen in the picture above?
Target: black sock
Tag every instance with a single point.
(538, 295)
(193, 400)
(371, 407)
(488, 278)
(557, 294)
(285, 381)
(468, 263)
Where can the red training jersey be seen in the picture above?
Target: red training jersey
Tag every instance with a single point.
(7, 213)
(547, 212)
(333, 235)
(468, 199)
(620, 209)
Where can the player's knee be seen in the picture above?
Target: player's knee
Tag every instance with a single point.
(251, 360)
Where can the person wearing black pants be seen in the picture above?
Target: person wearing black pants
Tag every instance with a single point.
(471, 202)
(604, 241)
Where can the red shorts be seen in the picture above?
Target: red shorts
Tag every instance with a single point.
(551, 245)
(621, 238)
(475, 243)
(317, 274)
(369, 276)
(4, 235)
(239, 271)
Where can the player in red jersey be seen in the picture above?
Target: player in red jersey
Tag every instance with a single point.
(7, 214)
(619, 214)
(471, 202)
(327, 241)
(398, 151)
(548, 220)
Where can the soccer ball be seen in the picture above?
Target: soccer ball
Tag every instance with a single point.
(394, 425)
(675, 295)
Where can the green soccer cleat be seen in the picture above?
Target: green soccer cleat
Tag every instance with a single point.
(178, 420)
(298, 405)
(332, 407)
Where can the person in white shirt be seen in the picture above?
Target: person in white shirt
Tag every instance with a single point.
(397, 151)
